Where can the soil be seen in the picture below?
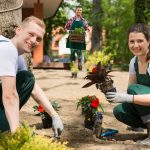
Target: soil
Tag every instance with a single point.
(58, 85)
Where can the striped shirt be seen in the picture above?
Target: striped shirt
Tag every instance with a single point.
(71, 20)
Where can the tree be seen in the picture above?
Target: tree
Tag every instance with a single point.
(142, 11)
(10, 16)
(117, 17)
(97, 30)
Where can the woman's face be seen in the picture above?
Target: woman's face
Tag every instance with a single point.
(138, 44)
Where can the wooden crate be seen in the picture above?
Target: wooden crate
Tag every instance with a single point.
(77, 38)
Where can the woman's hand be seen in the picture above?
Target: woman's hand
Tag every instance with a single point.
(119, 97)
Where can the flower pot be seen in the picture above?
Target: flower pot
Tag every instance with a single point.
(47, 122)
(88, 124)
(74, 74)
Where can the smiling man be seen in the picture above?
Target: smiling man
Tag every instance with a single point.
(16, 88)
(76, 47)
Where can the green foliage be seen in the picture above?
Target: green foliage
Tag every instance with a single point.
(16, 141)
(74, 67)
(41, 111)
(117, 17)
(55, 105)
(142, 11)
(90, 106)
(78, 30)
(25, 139)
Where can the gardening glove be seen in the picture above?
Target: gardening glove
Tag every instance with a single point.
(115, 97)
(57, 126)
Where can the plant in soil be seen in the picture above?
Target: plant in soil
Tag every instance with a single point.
(99, 76)
(46, 118)
(90, 105)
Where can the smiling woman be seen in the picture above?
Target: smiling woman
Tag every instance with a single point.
(138, 91)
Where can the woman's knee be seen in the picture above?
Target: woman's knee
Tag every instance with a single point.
(117, 112)
(131, 89)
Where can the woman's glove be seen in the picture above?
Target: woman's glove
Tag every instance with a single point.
(57, 126)
(115, 97)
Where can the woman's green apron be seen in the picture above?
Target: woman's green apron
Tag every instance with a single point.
(76, 47)
(129, 113)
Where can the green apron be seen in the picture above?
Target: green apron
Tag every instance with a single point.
(130, 113)
(75, 47)
(24, 85)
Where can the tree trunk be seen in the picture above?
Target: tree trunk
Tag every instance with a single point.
(96, 31)
(10, 16)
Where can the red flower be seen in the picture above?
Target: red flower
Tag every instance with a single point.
(95, 103)
(94, 70)
(40, 109)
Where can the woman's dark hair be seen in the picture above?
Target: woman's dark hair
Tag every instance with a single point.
(142, 29)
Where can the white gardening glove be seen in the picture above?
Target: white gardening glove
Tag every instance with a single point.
(115, 97)
(57, 126)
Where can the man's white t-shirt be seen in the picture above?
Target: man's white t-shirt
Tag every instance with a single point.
(21, 63)
(8, 57)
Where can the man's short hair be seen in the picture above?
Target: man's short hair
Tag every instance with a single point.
(79, 6)
(33, 19)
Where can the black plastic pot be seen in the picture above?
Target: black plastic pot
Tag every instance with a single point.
(88, 124)
(74, 74)
(47, 122)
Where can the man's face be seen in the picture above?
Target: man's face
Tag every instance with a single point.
(28, 37)
(79, 12)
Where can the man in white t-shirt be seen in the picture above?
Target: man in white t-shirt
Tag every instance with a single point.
(39, 96)
(16, 88)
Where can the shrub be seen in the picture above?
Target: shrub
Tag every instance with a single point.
(25, 139)
(104, 57)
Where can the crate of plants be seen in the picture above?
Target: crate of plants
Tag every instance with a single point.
(77, 35)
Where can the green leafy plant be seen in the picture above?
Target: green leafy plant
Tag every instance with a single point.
(101, 78)
(90, 106)
(78, 30)
(103, 56)
(73, 67)
(42, 112)
(25, 139)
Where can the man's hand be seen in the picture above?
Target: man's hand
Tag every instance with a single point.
(57, 126)
(119, 97)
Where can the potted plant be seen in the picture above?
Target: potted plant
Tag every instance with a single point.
(77, 35)
(99, 76)
(90, 107)
(46, 118)
(74, 69)
(105, 58)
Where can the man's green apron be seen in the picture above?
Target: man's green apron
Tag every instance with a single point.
(76, 47)
(130, 113)
(24, 85)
